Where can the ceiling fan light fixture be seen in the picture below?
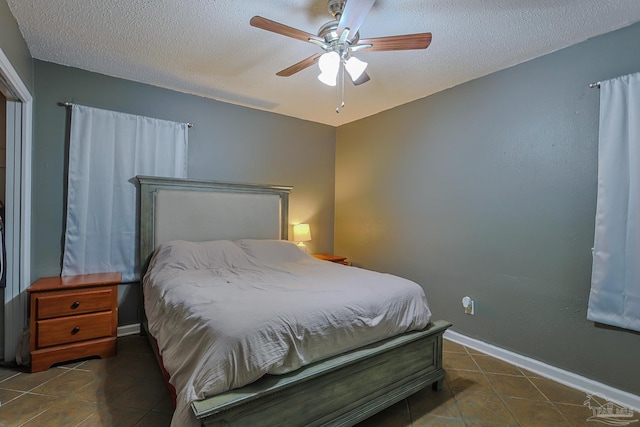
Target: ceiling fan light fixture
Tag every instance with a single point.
(355, 67)
(329, 64)
(339, 39)
(328, 79)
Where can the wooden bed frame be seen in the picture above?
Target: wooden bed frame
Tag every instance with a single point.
(339, 391)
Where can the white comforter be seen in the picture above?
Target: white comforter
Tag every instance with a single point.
(226, 313)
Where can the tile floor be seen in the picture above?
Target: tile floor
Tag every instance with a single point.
(480, 390)
(125, 390)
(128, 390)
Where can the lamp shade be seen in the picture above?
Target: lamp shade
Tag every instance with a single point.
(355, 67)
(301, 233)
(329, 64)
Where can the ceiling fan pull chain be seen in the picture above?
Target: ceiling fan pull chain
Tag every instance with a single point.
(340, 89)
(338, 97)
(342, 85)
(338, 93)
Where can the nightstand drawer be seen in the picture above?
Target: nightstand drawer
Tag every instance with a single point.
(74, 328)
(71, 303)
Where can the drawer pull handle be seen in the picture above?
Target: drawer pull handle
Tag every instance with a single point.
(75, 305)
(75, 330)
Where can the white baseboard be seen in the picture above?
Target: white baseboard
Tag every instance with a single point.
(567, 378)
(132, 329)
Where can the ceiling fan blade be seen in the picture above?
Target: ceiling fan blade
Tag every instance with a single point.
(276, 27)
(404, 42)
(353, 15)
(364, 77)
(307, 62)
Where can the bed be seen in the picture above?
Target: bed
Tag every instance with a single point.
(237, 221)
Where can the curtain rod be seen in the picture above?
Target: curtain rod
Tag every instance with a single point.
(594, 85)
(70, 104)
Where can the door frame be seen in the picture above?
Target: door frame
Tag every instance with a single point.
(18, 207)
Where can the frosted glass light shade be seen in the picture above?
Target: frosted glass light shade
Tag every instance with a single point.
(355, 67)
(328, 79)
(329, 64)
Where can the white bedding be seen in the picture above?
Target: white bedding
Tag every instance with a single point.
(226, 313)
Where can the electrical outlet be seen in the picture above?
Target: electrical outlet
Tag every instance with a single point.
(469, 306)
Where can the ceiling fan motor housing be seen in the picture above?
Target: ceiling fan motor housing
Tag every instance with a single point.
(329, 32)
(336, 7)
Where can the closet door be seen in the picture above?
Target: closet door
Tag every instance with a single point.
(18, 132)
(3, 197)
(15, 299)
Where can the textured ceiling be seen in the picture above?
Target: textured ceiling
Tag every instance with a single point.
(208, 48)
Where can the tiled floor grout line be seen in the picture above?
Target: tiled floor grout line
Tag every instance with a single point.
(36, 415)
(492, 387)
(466, 352)
(546, 397)
(85, 419)
(561, 413)
(11, 400)
(30, 391)
(8, 378)
(43, 383)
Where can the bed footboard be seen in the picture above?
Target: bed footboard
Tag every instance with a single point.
(340, 391)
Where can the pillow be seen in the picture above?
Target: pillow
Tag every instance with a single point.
(272, 251)
(185, 255)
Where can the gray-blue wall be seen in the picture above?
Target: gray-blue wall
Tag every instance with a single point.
(488, 189)
(228, 143)
(14, 46)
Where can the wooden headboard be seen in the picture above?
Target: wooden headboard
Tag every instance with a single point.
(183, 209)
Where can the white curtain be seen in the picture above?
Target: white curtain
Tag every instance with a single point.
(615, 280)
(107, 150)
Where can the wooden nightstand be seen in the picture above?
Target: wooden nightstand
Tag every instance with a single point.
(333, 258)
(72, 317)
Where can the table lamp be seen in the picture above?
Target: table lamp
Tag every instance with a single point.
(301, 234)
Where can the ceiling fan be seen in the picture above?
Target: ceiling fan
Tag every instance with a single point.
(339, 39)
